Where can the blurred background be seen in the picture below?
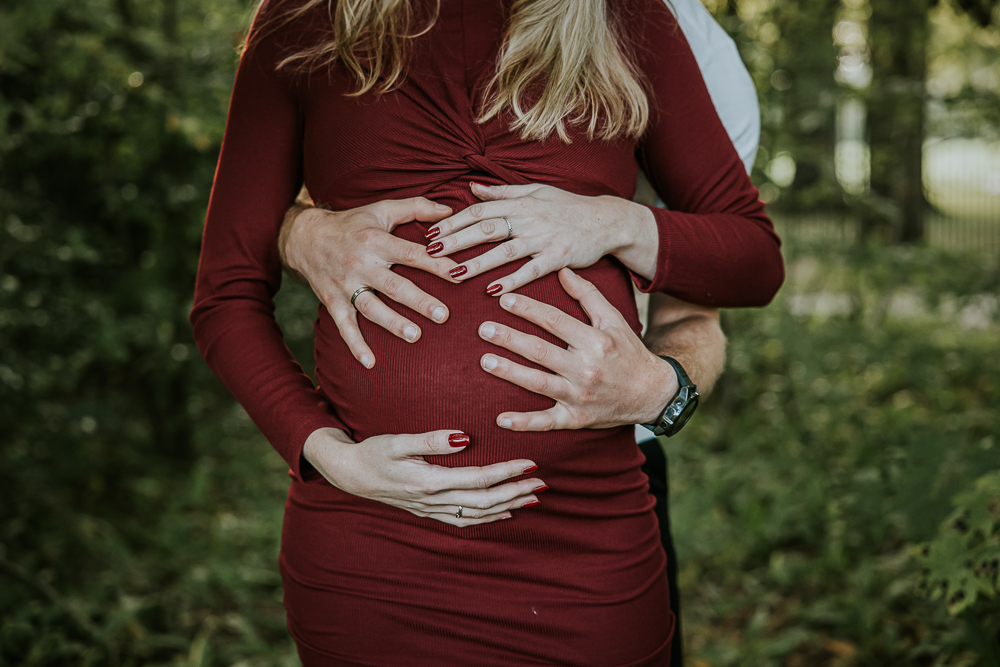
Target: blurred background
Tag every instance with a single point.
(836, 502)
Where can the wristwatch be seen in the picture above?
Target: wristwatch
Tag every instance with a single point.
(680, 408)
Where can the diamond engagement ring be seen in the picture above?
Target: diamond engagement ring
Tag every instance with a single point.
(458, 514)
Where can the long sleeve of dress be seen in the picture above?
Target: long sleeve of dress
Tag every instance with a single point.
(717, 245)
(257, 178)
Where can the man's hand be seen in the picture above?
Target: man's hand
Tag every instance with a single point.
(605, 378)
(391, 469)
(339, 252)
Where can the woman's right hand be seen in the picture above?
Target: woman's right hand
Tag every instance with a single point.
(340, 251)
(391, 469)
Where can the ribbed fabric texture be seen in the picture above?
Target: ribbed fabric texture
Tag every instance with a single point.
(578, 580)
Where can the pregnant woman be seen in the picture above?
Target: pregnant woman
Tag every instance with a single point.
(555, 92)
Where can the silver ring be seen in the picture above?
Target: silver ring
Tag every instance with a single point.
(458, 514)
(510, 229)
(358, 292)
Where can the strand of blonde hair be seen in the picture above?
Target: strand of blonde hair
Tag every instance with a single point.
(562, 63)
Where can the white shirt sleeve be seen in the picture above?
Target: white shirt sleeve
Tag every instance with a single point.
(726, 77)
(729, 84)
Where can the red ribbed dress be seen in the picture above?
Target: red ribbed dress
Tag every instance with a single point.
(578, 580)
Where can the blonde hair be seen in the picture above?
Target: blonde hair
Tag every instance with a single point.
(570, 49)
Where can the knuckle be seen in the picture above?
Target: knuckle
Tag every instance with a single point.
(533, 270)
(590, 375)
(482, 480)
(605, 344)
(487, 227)
(392, 285)
(553, 319)
(539, 351)
(411, 253)
(509, 250)
(538, 383)
(477, 211)
(367, 235)
(353, 262)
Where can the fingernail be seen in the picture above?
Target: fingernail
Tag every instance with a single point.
(442, 208)
(487, 330)
(471, 183)
(439, 314)
(435, 248)
(432, 233)
(505, 516)
(489, 363)
(458, 440)
(506, 423)
(458, 271)
(410, 333)
(539, 489)
(493, 289)
(531, 468)
(531, 503)
(366, 361)
(507, 300)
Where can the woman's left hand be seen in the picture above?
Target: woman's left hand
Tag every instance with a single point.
(606, 377)
(556, 228)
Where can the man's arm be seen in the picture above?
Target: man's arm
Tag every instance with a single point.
(689, 333)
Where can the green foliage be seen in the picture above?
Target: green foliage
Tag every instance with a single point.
(854, 409)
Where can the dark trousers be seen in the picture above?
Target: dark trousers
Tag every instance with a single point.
(656, 469)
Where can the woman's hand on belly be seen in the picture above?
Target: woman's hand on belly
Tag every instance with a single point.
(555, 228)
(605, 378)
(391, 469)
(340, 252)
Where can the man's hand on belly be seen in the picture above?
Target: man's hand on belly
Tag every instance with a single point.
(605, 378)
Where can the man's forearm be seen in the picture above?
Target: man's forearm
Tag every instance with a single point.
(690, 334)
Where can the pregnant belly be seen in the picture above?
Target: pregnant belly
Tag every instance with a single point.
(437, 382)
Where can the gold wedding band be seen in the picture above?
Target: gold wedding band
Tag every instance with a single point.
(458, 514)
(358, 292)
(510, 229)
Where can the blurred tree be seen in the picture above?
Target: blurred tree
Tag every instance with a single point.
(897, 100)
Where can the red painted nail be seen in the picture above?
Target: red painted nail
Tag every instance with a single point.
(434, 248)
(432, 233)
(458, 440)
(539, 489)
(494, 289)
(531, 503)
(471, 183)
(458, 271)
(529, 469)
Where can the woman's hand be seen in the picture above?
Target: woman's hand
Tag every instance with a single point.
(391, 469)
(339, 252)
(605, 378)
(556, 228)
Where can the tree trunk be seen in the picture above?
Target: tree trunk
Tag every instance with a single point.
(898, 41)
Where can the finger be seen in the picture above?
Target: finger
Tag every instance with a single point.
(378, 313)
(470, 216)
(555, 418)
(484, 231)
(401, 290)
(400, 251)
(490, 501)
(473, 513)
(346, 320)
(395, 212)
(464, 522)
(598, 309)
(502, 254)
(433, 443)
(496, 192)
(475, 477)
(550, 318)
(535, 381)
(533, 270)
(530, 347)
